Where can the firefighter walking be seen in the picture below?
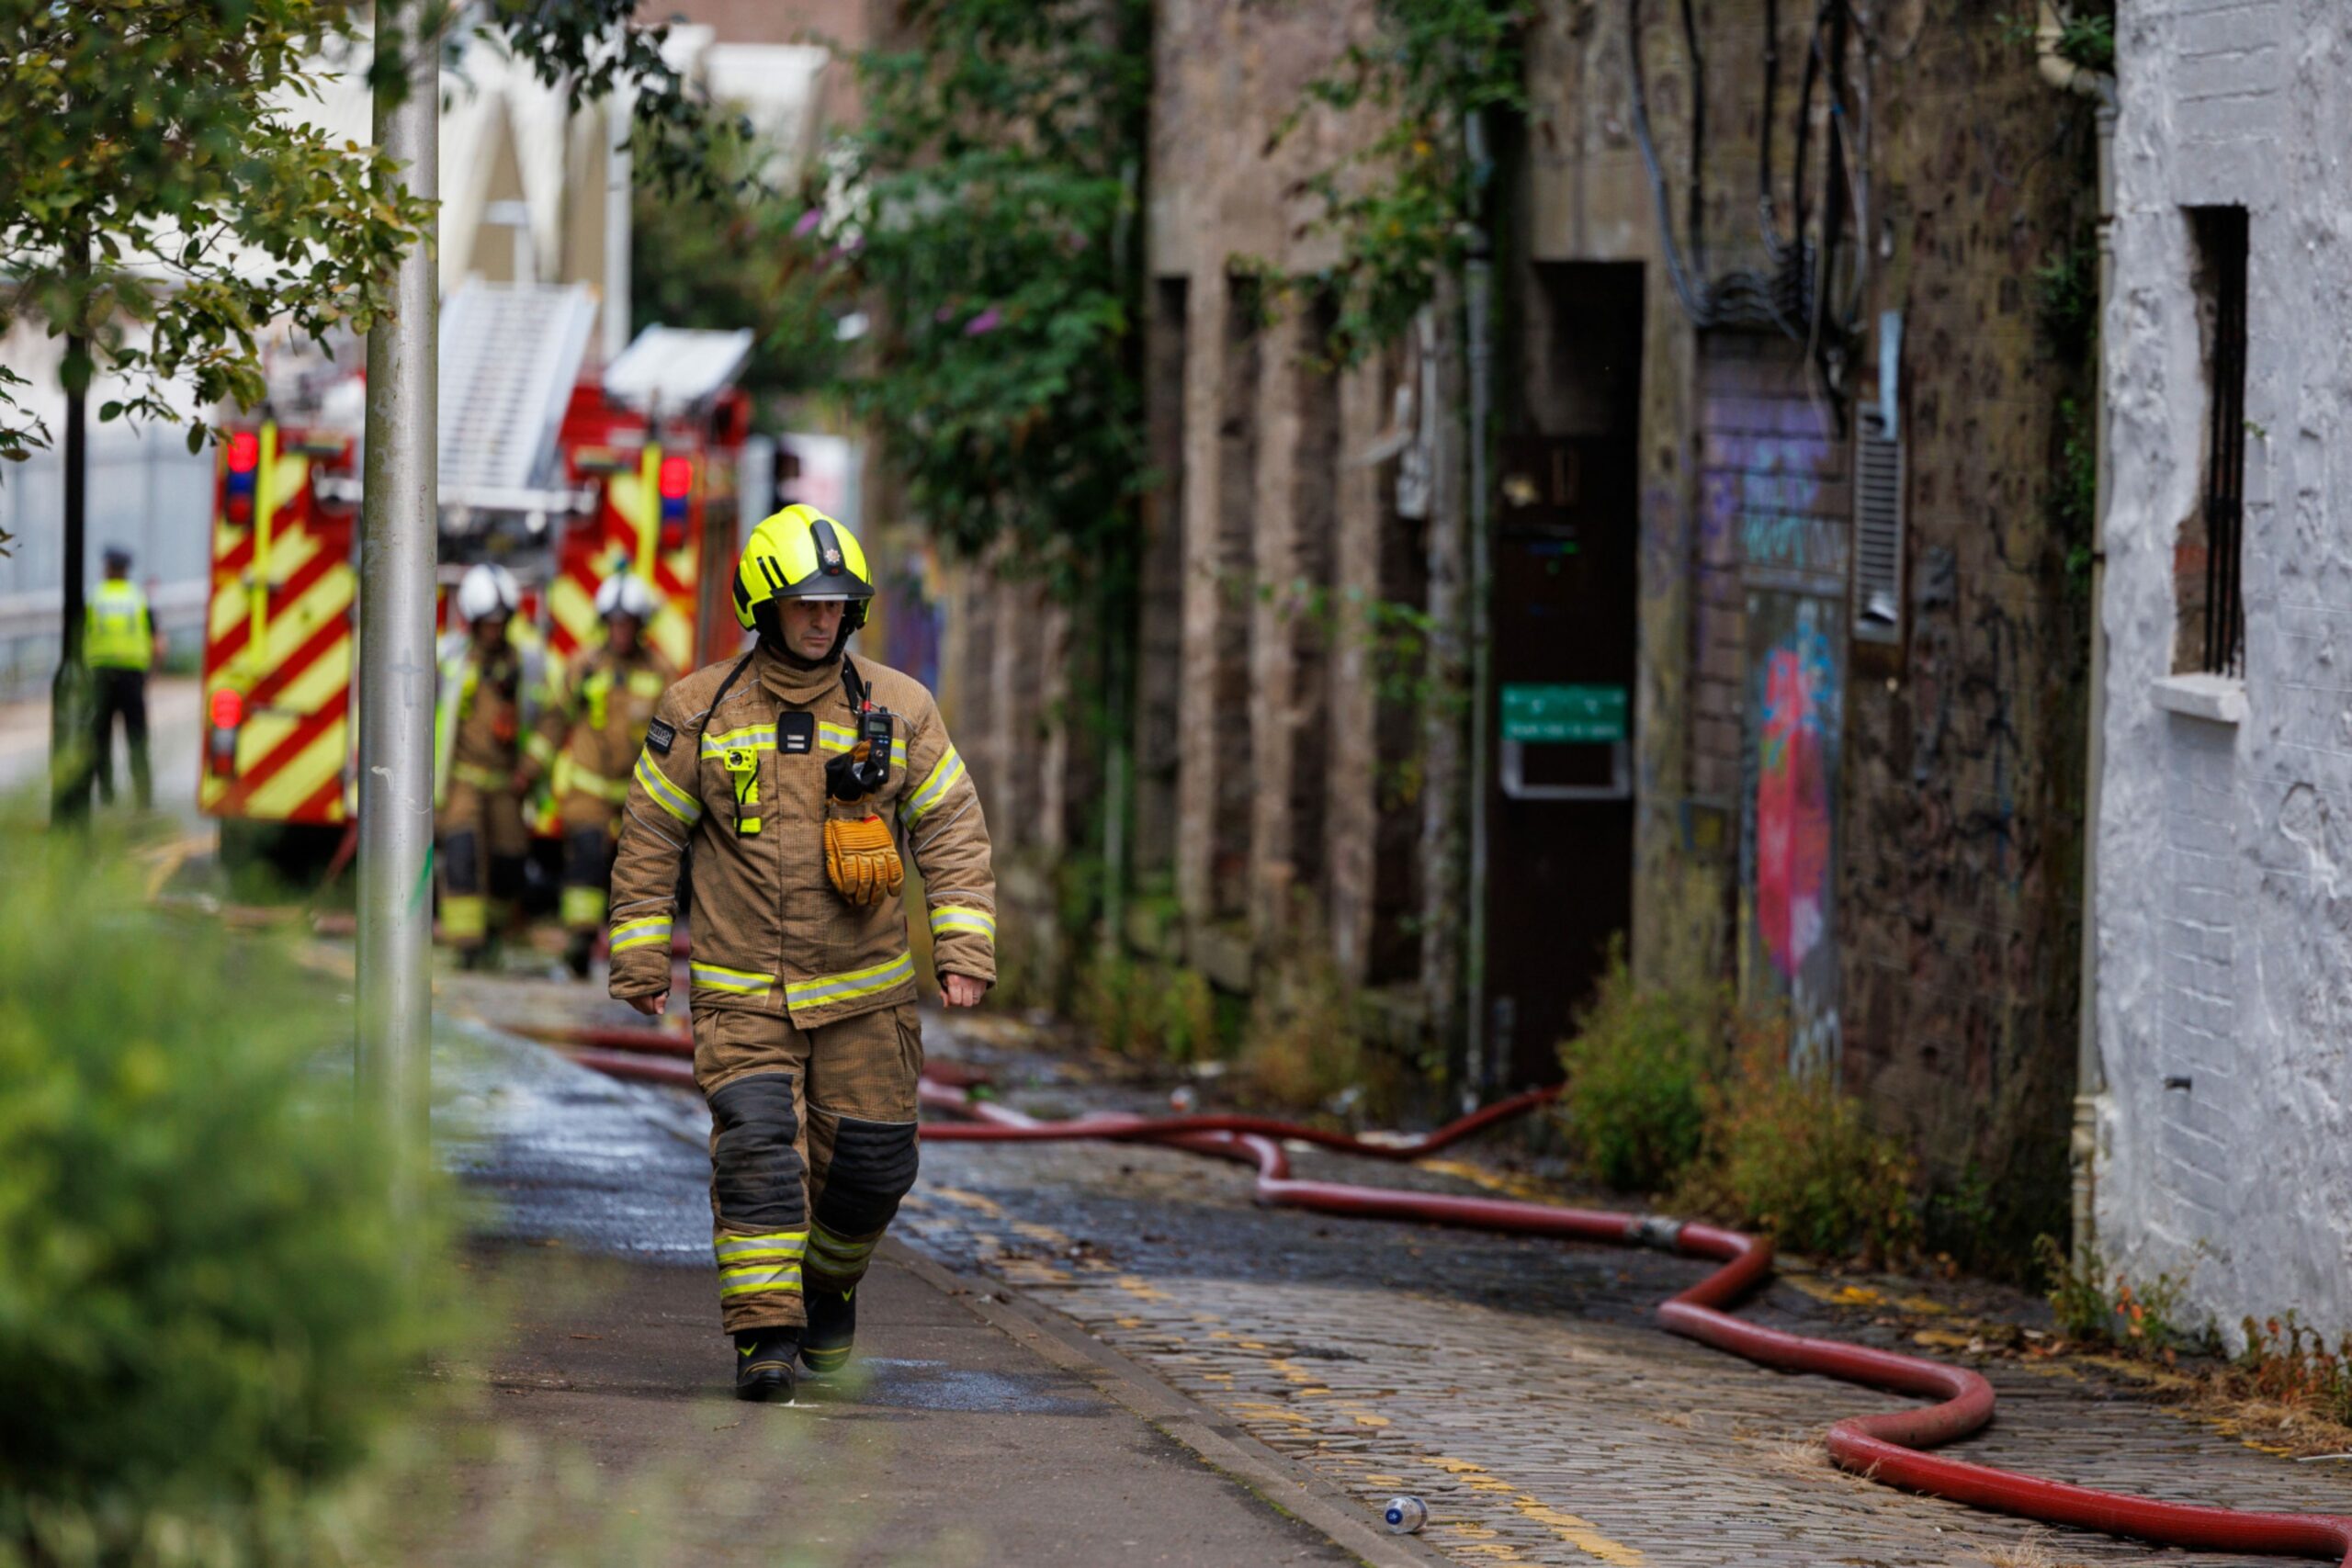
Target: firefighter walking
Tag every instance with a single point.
(119, 647)
(477, 768)
(797, 774)
(589, 731)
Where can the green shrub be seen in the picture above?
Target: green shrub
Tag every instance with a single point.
(1634, 1107)
(207, 1306)
(1148, 1010)
(1795, 1156)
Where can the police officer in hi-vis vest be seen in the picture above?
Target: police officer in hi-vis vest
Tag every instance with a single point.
(119, 644)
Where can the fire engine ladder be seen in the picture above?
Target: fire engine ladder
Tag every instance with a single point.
(510, 356)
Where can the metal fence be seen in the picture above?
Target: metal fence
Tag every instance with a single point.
(147, 493)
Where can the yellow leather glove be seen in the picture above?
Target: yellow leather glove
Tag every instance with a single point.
(861, 860)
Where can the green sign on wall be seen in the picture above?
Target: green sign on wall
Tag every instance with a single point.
(1564, 715)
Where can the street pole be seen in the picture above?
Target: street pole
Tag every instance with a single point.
(72, 760)
(398, 534)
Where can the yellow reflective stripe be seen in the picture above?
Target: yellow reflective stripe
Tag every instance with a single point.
(581, 906)
(856, 983)
(841, 738)
(667, 795)
(744, 1283)
(948, 918)
(740, 981)
(758, 737)
(943, 774)
(730, 1249)
(464, 916)
(646, 931)
(586, 783)
(830, 1248)
(480, 777)
(539, 749)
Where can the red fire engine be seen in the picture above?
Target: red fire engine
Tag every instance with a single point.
(564, 478)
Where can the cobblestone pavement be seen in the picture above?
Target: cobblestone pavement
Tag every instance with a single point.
(1516, 1385)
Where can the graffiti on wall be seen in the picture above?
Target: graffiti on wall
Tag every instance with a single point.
(1788, 859)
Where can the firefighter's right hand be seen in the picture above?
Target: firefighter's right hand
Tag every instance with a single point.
(650, 1006)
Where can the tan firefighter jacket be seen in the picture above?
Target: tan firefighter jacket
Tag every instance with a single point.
(743, 783)
(590, 727)
(477, 721)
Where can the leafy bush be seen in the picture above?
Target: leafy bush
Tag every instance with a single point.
(1638, 1070)
(209, 1301)
(1150, 1011)
(1795, 1156)
(1301, 1048)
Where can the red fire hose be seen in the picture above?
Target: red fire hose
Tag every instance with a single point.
(1879, 1447)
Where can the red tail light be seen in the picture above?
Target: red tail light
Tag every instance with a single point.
(678, 478)
(227, 711)
(245, 452)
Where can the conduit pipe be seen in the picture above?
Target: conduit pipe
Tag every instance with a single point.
(2090, 1070)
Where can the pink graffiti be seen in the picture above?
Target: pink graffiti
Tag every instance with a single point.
(1791, 811)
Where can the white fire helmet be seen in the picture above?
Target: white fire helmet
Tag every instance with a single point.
(488, 589)
(625, 593)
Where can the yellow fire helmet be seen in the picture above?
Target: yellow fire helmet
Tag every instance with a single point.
(800, 553)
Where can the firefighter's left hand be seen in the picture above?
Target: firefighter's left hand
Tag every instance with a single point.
(962, 990)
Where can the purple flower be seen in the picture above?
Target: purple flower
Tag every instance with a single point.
(987, 321)
(807, 224)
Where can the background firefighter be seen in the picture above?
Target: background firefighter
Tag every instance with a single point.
(590, 729)
(797, 774)
(477, 767)
(120, 646)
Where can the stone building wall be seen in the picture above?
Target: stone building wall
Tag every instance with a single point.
(1915, 889)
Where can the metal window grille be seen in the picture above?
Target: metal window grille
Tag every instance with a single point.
(2224, 234)
(1878, 531)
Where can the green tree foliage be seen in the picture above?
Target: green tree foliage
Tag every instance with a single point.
(742, 255)
(159, 177)
(208, 1306)
(1403, 206)
(168, 205)
(992, 213)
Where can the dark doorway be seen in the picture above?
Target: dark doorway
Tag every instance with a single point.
(1564, 612)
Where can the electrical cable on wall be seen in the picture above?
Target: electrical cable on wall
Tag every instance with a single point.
(1794, 295)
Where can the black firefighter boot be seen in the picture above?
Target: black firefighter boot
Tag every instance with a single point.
(832, 1324)
(764, 1364)
(578, 950)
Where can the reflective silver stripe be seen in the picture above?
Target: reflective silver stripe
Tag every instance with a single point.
(827, 1248)
(856, 983)
(740, 981)
(758, 737)
(744, 1282)
(951, 917)
(730, 1249)
(667, 795)
(943, 774)
(646, 933)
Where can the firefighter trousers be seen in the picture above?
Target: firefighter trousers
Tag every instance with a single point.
(589, 836)
(812, 1144)
(483, 844)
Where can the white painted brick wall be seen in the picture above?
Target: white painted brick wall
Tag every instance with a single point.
(2225, 922)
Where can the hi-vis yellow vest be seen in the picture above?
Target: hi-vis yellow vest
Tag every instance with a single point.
(119, 636)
